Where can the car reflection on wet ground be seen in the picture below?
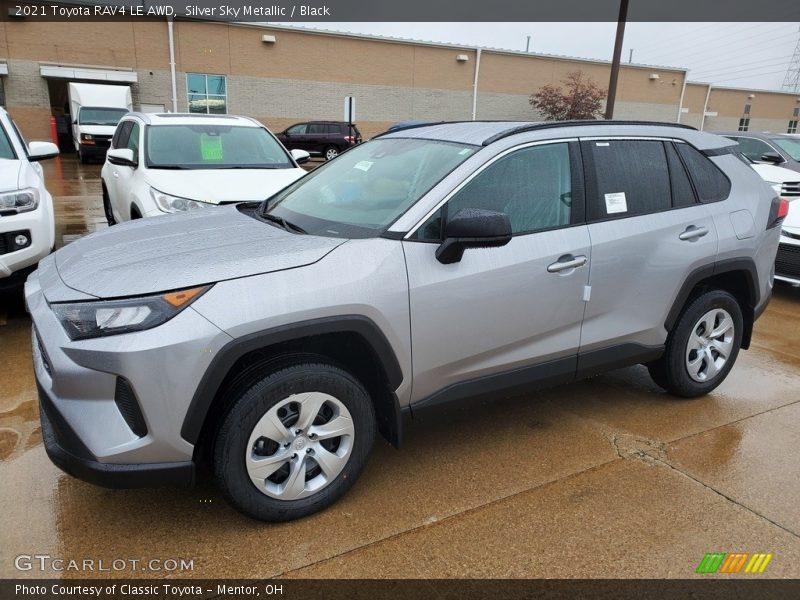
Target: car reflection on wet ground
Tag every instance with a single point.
(608, 477)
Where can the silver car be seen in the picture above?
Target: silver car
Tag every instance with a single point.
(269, 342)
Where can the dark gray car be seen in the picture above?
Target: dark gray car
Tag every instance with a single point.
(271, 342)
(771, 148)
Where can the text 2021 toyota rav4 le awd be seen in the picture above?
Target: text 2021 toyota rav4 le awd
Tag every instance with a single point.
(428, 265)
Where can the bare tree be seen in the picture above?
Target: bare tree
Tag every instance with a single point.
(582, 99)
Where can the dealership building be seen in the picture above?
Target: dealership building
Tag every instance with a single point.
(282, 75)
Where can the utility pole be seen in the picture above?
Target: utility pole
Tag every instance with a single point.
(612, 83)
(791, 83)
(630, 57)
(528, 44)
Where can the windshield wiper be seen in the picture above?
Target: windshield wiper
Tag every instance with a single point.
(173, 167)
(291, 227)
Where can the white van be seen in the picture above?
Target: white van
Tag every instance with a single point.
(95, 110)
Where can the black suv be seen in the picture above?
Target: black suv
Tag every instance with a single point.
(326, 138)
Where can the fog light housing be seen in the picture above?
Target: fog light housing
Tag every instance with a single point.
(21, 241)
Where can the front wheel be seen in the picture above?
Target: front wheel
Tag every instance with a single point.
(294, 442)
(702, 347)
(107, 208)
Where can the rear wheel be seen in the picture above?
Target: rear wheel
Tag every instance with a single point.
(294, 441)
(703, 346)
(331, 152)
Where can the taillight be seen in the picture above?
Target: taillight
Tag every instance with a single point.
(777, 212)
(349, 139)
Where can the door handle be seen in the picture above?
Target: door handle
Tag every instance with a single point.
(693, 233)
(115, 174)
(566, 262)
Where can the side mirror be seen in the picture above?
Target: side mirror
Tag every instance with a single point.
(42, 151)
(300, 156)
(473, 228)
(772, 157)
(121, 156)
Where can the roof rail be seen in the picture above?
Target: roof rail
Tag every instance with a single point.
(587, 122)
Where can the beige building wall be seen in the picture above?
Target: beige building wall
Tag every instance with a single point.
(769, 111)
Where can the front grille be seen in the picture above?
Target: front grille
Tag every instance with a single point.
(128, 407)
(104, 141)
(790, 189)
(787, 263)
(3, 245)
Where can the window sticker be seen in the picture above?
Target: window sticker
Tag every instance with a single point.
(363, 165)
(211, 147)
(616, 203)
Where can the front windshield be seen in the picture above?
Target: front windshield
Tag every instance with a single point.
(101, 116)
(365, 189)
(6, 149)
(791, 147)
(201, 146)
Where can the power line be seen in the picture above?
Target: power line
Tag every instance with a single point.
(749, 76)
(692, 32)
(734, 70)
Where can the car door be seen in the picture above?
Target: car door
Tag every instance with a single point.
(508, 315)
(296, 138)
(119, 140)
(126, 174)
(649, 232)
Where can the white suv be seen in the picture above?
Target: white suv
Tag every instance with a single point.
(27, 227)
(167, 163)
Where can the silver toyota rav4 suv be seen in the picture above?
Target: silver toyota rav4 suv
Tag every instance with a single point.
(270, 342)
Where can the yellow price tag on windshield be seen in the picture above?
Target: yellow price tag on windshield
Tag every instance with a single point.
(211, 147)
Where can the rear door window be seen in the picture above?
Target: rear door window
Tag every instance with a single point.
(710, 183)
(626, 178)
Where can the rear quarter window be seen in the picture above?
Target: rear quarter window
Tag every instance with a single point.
(710, 182)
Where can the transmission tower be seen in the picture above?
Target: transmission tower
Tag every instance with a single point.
(791, 83)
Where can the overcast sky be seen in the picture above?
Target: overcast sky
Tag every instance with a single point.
(752, 55)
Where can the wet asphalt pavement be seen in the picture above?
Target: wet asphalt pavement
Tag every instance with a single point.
(609, 477)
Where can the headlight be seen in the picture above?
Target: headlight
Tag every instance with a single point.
(83, 320)
(171, 204)
(21, 201)
(87, 137)
(776, 186)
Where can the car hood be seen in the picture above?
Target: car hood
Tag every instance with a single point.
(157, 254)
(98, 129)
(223, 185)
(9, 175)
(775, 174)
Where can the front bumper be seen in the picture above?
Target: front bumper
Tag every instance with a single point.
(91, 434)
(39, 225)
(95, 150)
(787, 262)
(69, 454)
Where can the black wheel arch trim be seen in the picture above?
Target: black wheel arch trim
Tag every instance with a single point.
(226, 358)
(744, 265)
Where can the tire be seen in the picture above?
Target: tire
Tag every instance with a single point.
(694, 361)
(302, 398)
(82, 158)
(331, 152)
(135, 214)
(107, 208)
